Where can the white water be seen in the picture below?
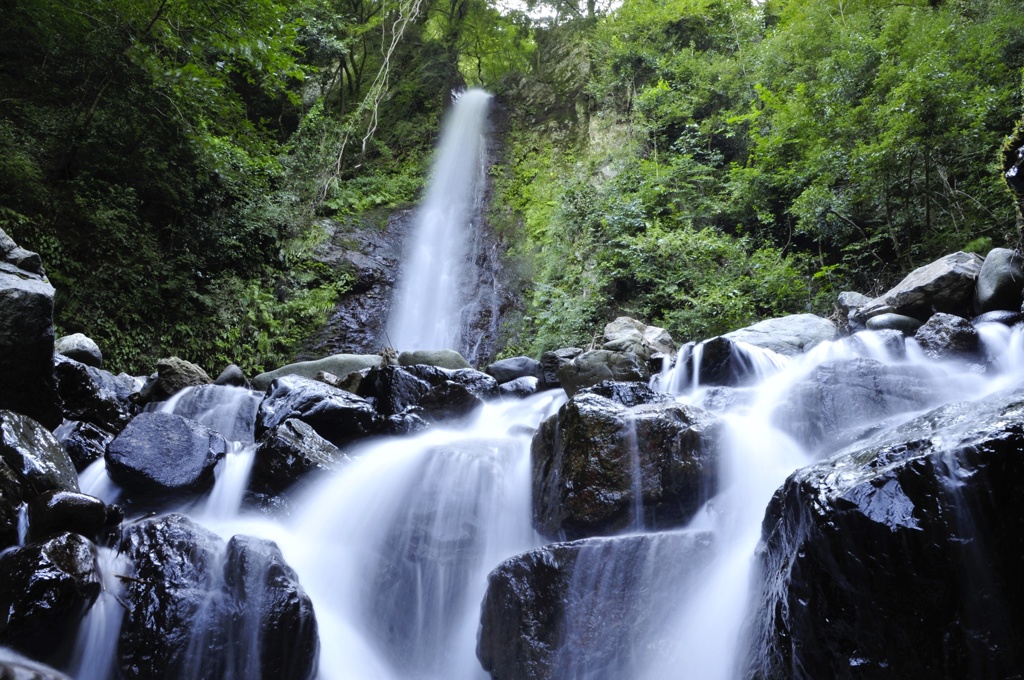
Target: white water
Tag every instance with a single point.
(431, 302)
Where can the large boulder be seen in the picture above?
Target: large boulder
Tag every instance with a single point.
(45, 590)
(229, 410)
(1000, 281)
(289, 452)
(84, 443)
(587, 609)
(93, 395)
(945, 336)
(79, 347)
(338, 416)
(830, 406)
(946, 285)
(34, 455)
(513, 368)
(428, 393)
(440, 358)
(175, 374)
(55, 512)
(26, 339)
(164, 453)
(337, 364)
(629, 335)
(551, 362)
(594, 366)
(597, 465)
(787, 335)
(900, 557)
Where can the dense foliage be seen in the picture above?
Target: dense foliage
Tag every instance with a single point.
(696, 163)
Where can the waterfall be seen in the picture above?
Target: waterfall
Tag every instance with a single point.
(439, 296)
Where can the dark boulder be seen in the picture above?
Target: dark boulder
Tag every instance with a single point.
(392, 389)
(627, 394)
(587, 609)
(907, 325)
(55, 512)
(519, 388)
(288, 453)
(93, 395)
(338, 416)
(509, 369)
(165, 453)
(552, 361)
(1000, 281)
(900, 557)
(831, 405)
(26, 343)
(45, 590)
(1002, 316)
(173, 571)
(723, 361)
(594, 366)
(84, 442)
(592, 458)
(233, 376)
(945, 336)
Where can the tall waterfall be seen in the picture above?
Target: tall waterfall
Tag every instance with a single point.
(436, 297)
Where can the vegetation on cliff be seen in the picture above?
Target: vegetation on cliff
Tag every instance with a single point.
(697, 163)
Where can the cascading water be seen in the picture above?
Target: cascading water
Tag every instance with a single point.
(438, 297)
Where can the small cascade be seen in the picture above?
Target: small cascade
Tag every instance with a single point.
(441, 293)
(96, 648)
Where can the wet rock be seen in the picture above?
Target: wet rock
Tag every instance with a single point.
(392, 389)
(289, 452)
(34, 455)
(338, 416)
(907, 325)
(173, 562)
(831, 405)
(551, 362)
(232, 375)
(13, 666)
(509, 369)
(519, 388)
(591, 608)
(591, 458)
(164, 453)
(722, 361)
(272, 632)
(93, 395)
(946, 285)
(81, 348)
(338, 364)
(787, 335)
(847, 301)
(26, 343)
(441, 358)
(1000, 281)
(900, 557)
(594, 366)
(1004, 317)
(45, 590)
(56, 512)
(945, 336)
(627, 393)
(84, 442)
(175, 374)
(433, 394)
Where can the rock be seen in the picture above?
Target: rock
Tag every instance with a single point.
(849, 301)
(338, 416)
(169, 582)
(883, 344)
(907, 325)
(1000, 281)
(34, 455)
(164, 453)
(587, 608)
(629, 335)
(81, 348)
(594, 366)
(26, 345)
(55, 512)
(441, 358)
(11, 253)
(515, 367)
(519, 388)
(586, 459)
(659, 341)
(722, 361)
(84, 442)
(93, 395)
(272, 633)
(787, 335)
(433, 394)
(393, 389)
(338, 364)
(900, 557)
(627, 394)
(551, 362)
(831, 405)
(175, 374)
(945, 336)
(13, 666)
(232, 375)
(45, 590)
(1004, 317)
(289, 452)
(946, 285)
